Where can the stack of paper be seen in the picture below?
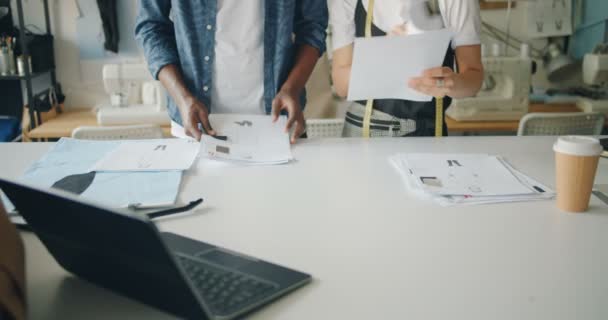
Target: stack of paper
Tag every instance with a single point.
(247, 139)
(451, 179)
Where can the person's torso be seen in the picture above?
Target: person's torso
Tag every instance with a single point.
(411, 17)
(195, 23)
(418, 15)
(238, 68)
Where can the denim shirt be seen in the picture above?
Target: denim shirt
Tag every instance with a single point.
(182, 32)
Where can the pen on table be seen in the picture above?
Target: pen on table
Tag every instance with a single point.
(218, 137)
(223, 138)
(167, 212)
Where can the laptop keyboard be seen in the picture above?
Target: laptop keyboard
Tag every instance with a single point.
(226, 292)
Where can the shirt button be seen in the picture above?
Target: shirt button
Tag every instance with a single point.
(209, 27)
(205, 88)
(207, 58)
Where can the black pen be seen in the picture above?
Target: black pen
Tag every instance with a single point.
(223, 138)
(164, 213)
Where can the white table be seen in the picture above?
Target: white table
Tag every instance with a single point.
(341, 213)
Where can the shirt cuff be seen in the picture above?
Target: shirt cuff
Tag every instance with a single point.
(156, 66)
(315, 39)
(465, 41)
(342, 37)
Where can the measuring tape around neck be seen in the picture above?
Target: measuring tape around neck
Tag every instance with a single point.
(369, 106)
(439, 117)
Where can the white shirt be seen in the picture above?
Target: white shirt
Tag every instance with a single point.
(462, 16)
(238, 68)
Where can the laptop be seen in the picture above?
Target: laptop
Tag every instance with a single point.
(127, 254)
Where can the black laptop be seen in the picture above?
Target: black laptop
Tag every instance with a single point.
(126, 253)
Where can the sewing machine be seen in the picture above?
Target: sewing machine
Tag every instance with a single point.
(135, 97)
(595, 73)
(504, 94)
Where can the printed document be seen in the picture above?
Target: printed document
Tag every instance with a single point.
(467, 179)
(247, 139)
(383, 66)
(462, 174)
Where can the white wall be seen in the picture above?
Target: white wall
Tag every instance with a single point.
(81, 81)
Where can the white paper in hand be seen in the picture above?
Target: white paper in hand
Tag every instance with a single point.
(247, 139)
(153, 155)
(383, 66)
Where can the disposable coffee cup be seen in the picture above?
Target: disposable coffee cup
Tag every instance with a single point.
(576, 160)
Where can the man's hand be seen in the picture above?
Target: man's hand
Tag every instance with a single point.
(437, 82)
(287, 100)
(194, 112)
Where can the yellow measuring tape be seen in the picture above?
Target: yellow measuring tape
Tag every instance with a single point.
(369, 106)
(438, 117)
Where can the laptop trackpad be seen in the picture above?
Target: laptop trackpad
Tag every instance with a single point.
(227, 259)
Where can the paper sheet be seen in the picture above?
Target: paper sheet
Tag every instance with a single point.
(533, 189)
(461, 174)
(156, 155)
(70, 156)
(248, 139)
(382, 66)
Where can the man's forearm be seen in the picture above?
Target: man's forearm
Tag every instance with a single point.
(171, 78)
(306, 60)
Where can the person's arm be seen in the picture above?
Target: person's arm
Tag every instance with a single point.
(342, 18)
(288, 97)
(310, 24)
(12, 273)
(341, 68)
(464, 18)
(192, 110)
(443, 81)
(155, 33)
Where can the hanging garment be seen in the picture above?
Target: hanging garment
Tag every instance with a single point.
(109, 17)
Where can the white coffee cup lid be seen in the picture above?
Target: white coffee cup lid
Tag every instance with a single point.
(578, 146)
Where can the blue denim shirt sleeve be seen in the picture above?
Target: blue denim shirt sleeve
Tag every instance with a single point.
(155, 33)
(310, 23)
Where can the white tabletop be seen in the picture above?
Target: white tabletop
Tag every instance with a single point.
(342, 214)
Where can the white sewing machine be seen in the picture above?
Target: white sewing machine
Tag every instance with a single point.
(595, 73)
(504, 94)
(135, 97)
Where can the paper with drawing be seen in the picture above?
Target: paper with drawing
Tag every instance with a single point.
(462, 174)
(467, 179)
(157, 155)
(248, 139)
(115, 189)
